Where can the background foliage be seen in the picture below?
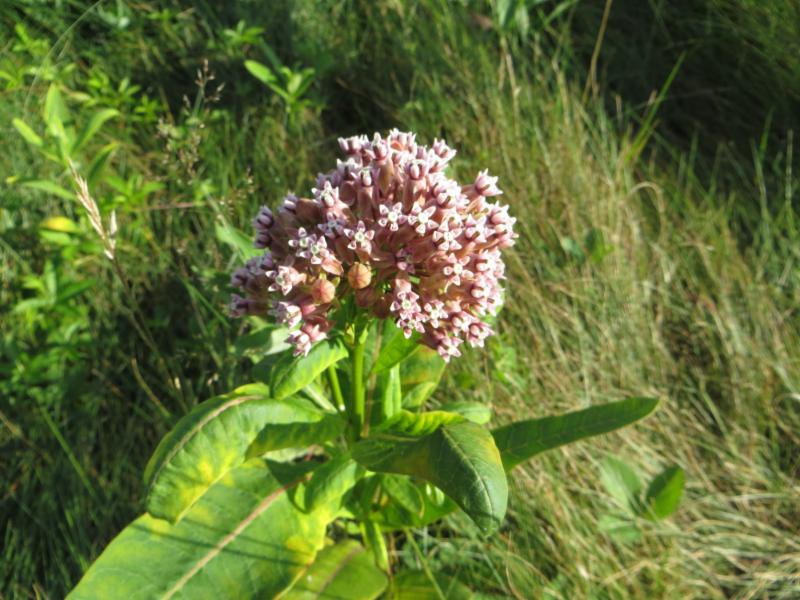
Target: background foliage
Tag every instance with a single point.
(650, 159)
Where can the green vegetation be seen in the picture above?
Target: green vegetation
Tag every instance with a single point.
(656, 197)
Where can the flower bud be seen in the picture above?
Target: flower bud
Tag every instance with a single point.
(359, 276)
(385, 176)
(323, 291)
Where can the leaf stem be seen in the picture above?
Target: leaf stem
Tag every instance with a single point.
(336, 388)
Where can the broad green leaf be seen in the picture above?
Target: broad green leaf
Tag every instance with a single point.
(403, 491)
(296, 373)
(416, 585)
(91, 128)
(332, 480)
(424, 365)
(26, 132)
(622, 483)
(244, 536)
(414, 425)
(456, 455)
(477, 412)
(49, 187)
(375, 543)
(220, 434)
(261, 72)
(664, 494)
(343, 571)
(520, 441)
(395, 348)
(305, 424)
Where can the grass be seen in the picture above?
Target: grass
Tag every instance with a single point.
(695, 303)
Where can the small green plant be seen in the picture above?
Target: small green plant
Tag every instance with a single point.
(300, 484)
(290, 84)
(593, 249)
(634, 504)
(63, 139)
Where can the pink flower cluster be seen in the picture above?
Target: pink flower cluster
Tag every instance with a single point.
(388, 225)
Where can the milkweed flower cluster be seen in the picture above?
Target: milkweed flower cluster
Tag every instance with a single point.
(389, 226)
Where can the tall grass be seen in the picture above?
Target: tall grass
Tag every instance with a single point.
(684, 307)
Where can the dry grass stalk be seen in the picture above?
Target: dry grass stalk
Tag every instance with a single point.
(107, 236)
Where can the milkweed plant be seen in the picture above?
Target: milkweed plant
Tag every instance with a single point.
(297, 486)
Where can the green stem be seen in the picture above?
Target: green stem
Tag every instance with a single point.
(358, 379)
(335, 388)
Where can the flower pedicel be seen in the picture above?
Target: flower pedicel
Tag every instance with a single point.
(389, 226)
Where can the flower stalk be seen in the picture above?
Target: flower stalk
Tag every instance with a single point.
(359, 390)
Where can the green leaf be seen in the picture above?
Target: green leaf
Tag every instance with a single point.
(344, 571)
(435, 506)
(75, 289)
(424, 365)
(241, 243)
(61, 224)
(622, 483)
(220, 434)
(306, 424)
(293, 374)
(416, 585)
(261, 72)
(417, 394)
(420, 373)
(49, 187)
(26, 132)
(262, 342)
(319, 396)
(55, 111)
(396, 348)
(403, 491)
(457, 456)
(332, 480)
(520, 441)
(572, 249)
(99, 162)
(477, 412)
(664, 494)
(411, 426)
(244, 539)
(620, 529)
(91, 128)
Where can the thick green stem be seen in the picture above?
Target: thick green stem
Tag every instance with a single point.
(357, 361)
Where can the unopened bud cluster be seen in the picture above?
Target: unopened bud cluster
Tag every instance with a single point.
(388, 226)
